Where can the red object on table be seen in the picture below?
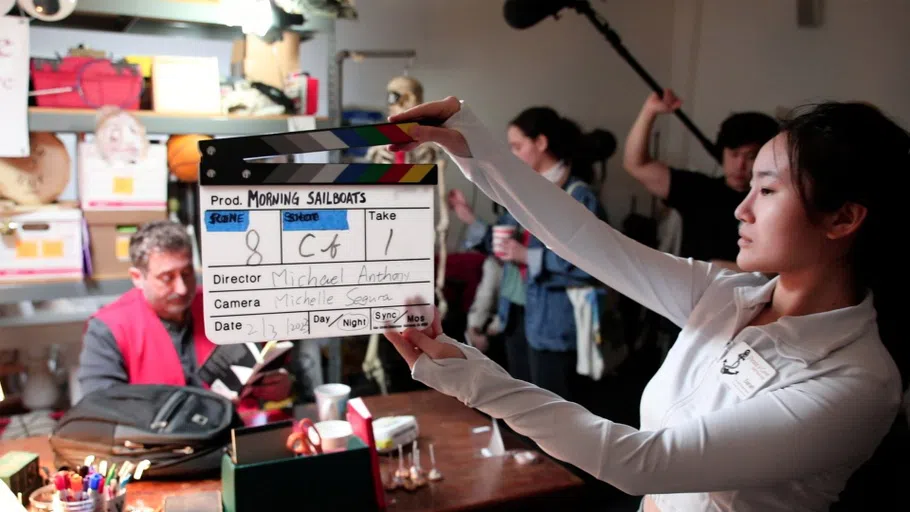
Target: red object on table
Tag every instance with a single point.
(312, 96)
(94, 83)
(361, 420)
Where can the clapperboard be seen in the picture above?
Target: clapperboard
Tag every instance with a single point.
(295, 251)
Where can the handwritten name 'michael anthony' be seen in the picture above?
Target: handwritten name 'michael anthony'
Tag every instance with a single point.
(335, 277)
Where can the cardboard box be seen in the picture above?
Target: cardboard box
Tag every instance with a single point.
(270, 64)
(106, 186)
(109, 235)
(41, 243)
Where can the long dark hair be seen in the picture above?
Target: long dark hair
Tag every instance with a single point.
(853, 153)
(566, 141)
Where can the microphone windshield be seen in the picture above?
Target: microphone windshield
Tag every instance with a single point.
(522, 14)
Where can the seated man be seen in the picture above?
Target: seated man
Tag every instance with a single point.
(155, 333)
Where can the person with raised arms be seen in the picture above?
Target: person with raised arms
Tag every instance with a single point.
(777, 389)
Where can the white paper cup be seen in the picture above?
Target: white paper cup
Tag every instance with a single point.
(334, 434)
(332, 401)
(501, 233)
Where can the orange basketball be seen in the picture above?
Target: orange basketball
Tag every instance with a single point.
(183, 156)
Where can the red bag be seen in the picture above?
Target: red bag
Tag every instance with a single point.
(86, 82)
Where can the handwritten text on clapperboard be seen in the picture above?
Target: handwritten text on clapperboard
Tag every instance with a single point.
(313, 261)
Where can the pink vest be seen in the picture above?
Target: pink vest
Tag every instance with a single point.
(148, 351)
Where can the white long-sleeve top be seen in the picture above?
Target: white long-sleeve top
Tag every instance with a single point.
(708, 440)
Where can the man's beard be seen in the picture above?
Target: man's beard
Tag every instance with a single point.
(173, 303)
(175, 300)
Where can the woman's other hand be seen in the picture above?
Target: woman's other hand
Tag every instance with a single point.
(514, 251)
(440, 110)
(414, 342)
(459, 204)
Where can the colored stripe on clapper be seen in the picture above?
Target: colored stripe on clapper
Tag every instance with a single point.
(341, 174)
(308, 141)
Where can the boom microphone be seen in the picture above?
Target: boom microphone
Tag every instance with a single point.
(522, 14)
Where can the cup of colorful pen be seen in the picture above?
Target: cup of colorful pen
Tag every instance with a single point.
(90, 487)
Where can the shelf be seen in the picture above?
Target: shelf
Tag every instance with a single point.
(44, 119)
(13, 293)
(45, 318)
(210, 20)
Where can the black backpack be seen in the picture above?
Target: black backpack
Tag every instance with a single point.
(182, 431)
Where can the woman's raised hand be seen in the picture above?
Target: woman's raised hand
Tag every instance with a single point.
(440, 110)
(413, 342)
(459, 204)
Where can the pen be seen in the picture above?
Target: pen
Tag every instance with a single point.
(76, 487)
(61, 482)
(142, 466)
(125, 469)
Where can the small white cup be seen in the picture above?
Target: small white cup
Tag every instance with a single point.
(501, 233)
(332, 401)
(334, 434)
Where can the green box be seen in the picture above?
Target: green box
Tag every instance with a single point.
(331, 481)
(19, 471)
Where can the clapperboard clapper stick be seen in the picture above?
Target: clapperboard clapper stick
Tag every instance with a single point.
(314, 250)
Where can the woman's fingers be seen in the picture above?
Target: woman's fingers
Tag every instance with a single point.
(431, 347)
(408, 350)
(439, 109)
(403, 147)
(457, 197)
(414, 342)
(448, 138)
(435, 328)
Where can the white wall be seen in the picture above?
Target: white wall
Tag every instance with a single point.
(752, 55)
(466, 49)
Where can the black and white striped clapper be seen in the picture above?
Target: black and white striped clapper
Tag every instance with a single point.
(294, 251)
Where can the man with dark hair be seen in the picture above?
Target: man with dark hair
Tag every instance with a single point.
(706, 204)
(155, 333)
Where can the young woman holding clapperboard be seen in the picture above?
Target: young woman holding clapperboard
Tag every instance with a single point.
(776, 390)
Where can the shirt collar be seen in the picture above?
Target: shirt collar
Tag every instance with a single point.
(555, 174)
(810, 337)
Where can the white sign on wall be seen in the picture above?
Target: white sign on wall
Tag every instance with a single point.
(14, 86)
(295, 251)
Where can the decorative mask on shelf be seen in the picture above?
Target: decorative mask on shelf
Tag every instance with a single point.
(403, 92)
(120, 137)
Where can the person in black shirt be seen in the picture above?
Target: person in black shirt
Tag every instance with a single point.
(706, 204)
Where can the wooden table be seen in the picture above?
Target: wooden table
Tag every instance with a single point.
(471, 481)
